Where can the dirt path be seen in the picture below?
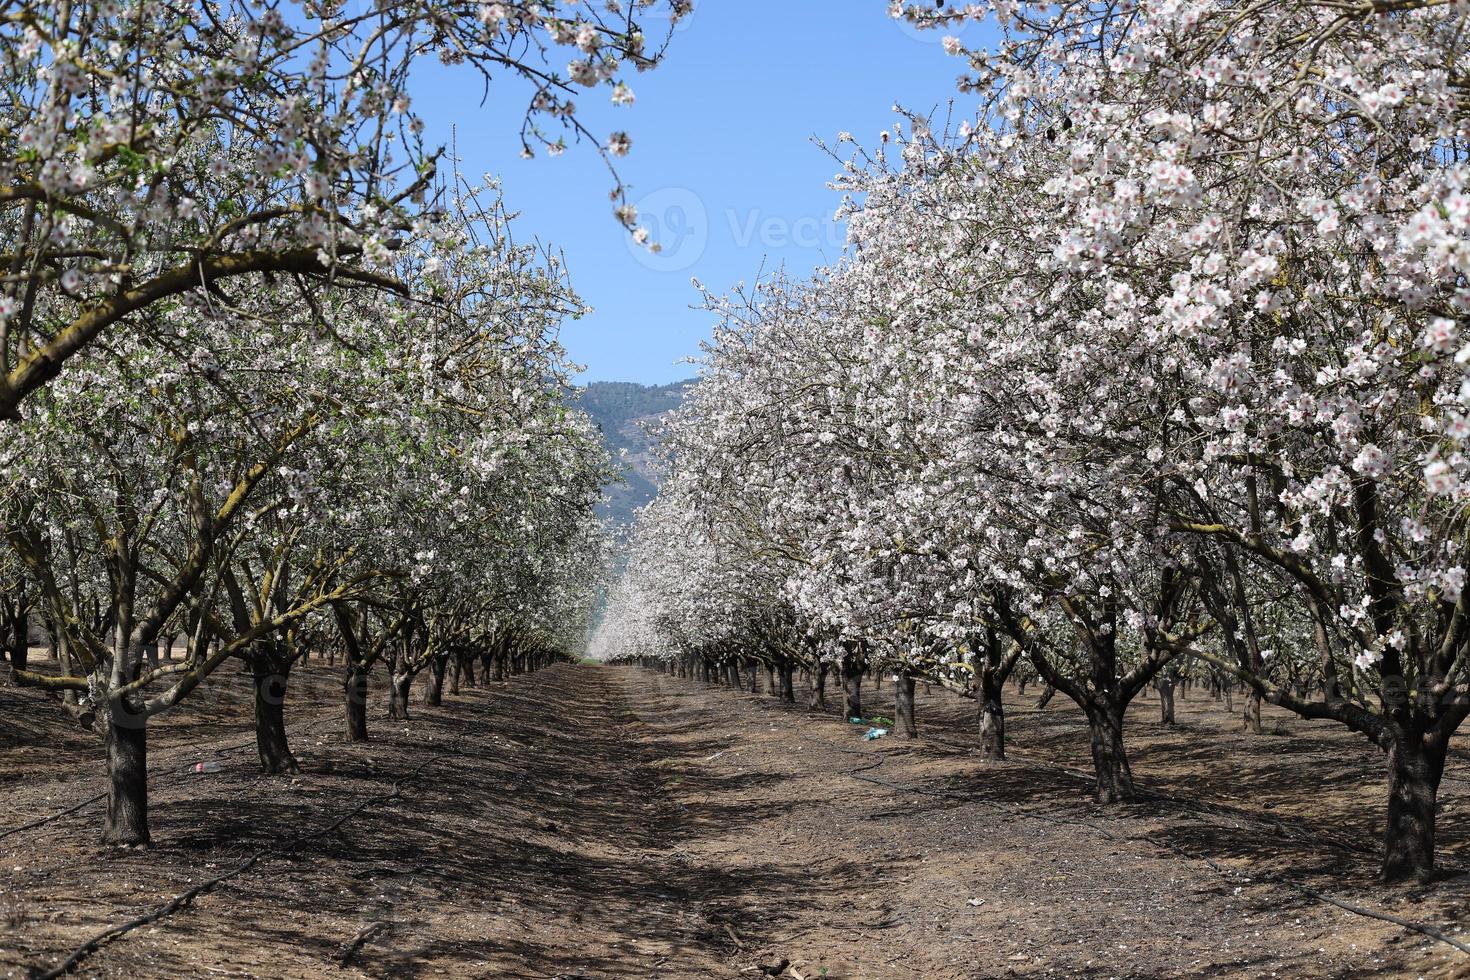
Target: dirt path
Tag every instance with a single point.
(947, 868)
(603, 822)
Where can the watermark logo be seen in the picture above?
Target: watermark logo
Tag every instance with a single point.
(778, 232)
(677, 221)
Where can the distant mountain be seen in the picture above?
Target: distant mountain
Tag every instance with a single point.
(619, 407)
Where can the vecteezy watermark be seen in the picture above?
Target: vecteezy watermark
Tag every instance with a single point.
(678, 230)
(681, 226)
(776, 231)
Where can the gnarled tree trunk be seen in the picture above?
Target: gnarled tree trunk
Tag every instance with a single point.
(270, 716)
(819, 687)
(1109, 758)
(852, 687)
(903, 706)
(355, 687)
(1165, 684)
(1251, 717)
(434, 686)
(992, 667)
(398, 685)
(1414, 772)
(990, 706)
(126, 738)
(20, 646)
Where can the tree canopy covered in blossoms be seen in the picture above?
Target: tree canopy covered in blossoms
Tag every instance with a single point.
(155, 149)
(1154, 360)
(1143, 366)
(275, 375)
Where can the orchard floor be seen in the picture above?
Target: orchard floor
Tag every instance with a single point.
(595, 822)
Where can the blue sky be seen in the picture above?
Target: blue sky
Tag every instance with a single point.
(722, 166)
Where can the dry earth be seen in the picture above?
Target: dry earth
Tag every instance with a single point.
(592, 822)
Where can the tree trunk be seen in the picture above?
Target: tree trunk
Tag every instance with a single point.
(852, 688)
(819, 688)
(270, 718)
(903, 706)
(1165, 685)
(398, 684)
(126, 823)
(1251, 720)
(434, 687)
(1413, 785)
(991, 708)
(455, 668)
(356, 688)
(20, 650)
(788, 694)
(63, 659)
(754, 669)
(1109, 760)
(1046, 696)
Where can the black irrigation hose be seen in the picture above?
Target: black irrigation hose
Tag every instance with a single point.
(184, 898)
(1433, 932)
(1199, 806)
(42, 821)
(1185, 802)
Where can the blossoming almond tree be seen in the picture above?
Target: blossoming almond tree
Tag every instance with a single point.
(1271, 202)
(161, 148)
(1159, 354)
(320, 448)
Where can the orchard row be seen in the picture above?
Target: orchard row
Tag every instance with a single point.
(1158, 359)
(276, 378)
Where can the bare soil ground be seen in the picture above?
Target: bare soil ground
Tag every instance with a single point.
(593, 822)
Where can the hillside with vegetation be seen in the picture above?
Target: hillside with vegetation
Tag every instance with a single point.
(622, 410)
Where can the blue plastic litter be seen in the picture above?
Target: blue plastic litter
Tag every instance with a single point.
(875, 733)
